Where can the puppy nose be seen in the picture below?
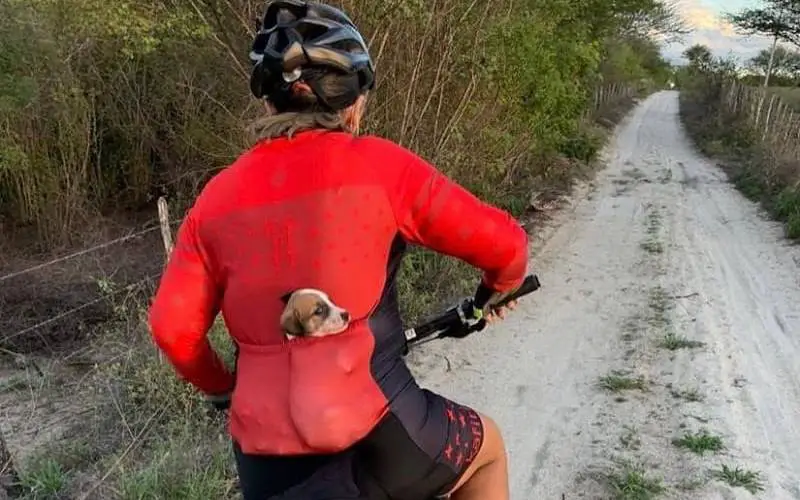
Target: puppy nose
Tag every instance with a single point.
(345, 316)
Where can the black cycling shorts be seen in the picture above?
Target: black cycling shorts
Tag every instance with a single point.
(401, 459)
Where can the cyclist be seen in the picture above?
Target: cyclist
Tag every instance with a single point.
(313, 205)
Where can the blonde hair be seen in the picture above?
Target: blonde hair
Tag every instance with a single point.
(288, 123)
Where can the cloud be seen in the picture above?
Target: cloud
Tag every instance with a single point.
(711, 29)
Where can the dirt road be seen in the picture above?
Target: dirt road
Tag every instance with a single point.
(669, 306)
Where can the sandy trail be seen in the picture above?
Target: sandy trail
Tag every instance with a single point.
(661, 243)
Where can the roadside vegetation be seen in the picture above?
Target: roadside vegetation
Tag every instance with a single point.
(105, 106)
(747, 115)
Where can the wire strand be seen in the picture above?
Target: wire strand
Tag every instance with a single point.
(82, 252)
(79, 308)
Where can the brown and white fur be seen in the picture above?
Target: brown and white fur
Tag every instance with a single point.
(311, 313)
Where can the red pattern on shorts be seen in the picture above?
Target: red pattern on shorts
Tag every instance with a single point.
(465, 436)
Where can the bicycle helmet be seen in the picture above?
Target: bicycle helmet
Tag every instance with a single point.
(308, 41)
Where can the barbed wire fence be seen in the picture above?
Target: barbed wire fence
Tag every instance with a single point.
(8, 471)
(106, 292)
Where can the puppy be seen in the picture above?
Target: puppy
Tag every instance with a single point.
(311, 313)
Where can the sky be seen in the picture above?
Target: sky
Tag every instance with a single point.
(709, 28)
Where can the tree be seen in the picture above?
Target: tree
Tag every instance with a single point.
(780, 19)
(785, 62)
(653, 18)
(635, 18)
(699, 56)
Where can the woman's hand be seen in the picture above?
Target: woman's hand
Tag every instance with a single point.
(499, 314)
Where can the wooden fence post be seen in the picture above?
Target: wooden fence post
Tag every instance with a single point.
(788, 122)
(166, 232)
(767, 118)
(753, 102)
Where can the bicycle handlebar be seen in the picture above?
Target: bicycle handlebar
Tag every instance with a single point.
(466, 318)
(457, 322)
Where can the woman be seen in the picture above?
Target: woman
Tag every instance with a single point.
(313, 206)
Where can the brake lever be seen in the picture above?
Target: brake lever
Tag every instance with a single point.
(471, 320)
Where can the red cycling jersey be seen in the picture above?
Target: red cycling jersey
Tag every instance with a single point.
(321, 210)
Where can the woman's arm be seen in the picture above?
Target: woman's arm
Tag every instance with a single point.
(437, 213)
(184, 308)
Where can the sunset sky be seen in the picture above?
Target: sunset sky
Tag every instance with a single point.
(705, 17)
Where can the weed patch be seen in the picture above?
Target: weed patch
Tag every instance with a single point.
(691, 395)
(738, 477)
(617, 381)
(673, 342)
(700, 442)
(633, 483)
(45, 478)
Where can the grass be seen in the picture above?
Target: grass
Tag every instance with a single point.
(673, 342)
(739, 477)
(184, 468)
(44, 479)
(786, 208)
(617, 381)
(633, 483)
(151, 435)
(691, 395)
(700, 443)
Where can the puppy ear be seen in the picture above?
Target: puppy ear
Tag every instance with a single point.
(290, 323)
(286, 296)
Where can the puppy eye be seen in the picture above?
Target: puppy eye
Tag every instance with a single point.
(318, 311)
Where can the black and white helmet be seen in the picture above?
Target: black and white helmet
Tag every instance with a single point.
(301, 40)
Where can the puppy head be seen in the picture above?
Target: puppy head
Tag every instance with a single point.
(311, 313)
